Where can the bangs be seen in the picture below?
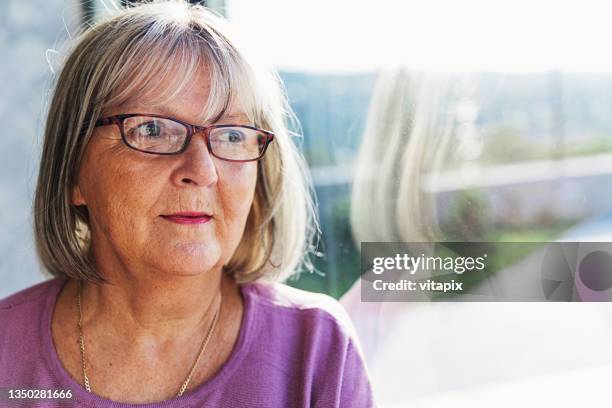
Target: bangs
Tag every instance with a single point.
(156, 66)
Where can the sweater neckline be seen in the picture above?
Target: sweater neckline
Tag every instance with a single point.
(192, 397)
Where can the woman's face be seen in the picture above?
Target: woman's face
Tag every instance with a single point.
(129, 194)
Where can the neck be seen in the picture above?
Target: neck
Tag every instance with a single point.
(155, 306)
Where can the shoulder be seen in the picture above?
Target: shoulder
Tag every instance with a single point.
(311, 336)
(26, 303)
(285, 298)
(28, 295)
(22, 315)
(300, 309)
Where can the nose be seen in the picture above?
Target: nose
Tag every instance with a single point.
(197, 164)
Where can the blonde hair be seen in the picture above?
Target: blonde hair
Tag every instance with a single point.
(402, 141)
(116, 60)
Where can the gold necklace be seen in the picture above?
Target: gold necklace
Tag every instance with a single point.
(185, 383)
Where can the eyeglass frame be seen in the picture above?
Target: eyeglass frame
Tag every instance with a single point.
(191, 130)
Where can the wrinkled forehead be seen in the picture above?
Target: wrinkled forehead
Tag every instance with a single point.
(189, 79)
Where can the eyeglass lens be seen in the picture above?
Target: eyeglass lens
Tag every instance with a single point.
(160, 135)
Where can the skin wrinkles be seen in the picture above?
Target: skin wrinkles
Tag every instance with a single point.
(165, 276)
(125, 211)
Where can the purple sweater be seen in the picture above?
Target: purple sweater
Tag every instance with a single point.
(294, 349)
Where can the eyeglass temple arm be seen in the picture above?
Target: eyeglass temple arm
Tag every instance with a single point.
(106, 121)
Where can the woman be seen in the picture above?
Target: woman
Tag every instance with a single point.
(169, 200)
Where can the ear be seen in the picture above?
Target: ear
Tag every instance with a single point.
(76, 197)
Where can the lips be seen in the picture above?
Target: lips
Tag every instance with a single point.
(188, 217)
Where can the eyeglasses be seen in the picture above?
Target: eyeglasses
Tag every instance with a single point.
(157, 134)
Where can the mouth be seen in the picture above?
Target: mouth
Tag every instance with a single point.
(188, 217)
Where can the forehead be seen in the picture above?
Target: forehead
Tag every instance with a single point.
(190, 104)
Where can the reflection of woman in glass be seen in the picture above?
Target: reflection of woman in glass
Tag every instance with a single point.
(403, 140)
(398, 146)
(421, 350)
(169, 192)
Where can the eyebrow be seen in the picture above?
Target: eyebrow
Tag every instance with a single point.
(168, 112)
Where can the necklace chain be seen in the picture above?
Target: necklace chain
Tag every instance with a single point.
(193, 367)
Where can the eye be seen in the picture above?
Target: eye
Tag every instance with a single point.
(232, 136)
(149, 129)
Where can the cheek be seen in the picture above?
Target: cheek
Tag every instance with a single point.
(236, 189)
(120, 196)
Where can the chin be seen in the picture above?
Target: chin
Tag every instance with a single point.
(192, 258)
(186, 268)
